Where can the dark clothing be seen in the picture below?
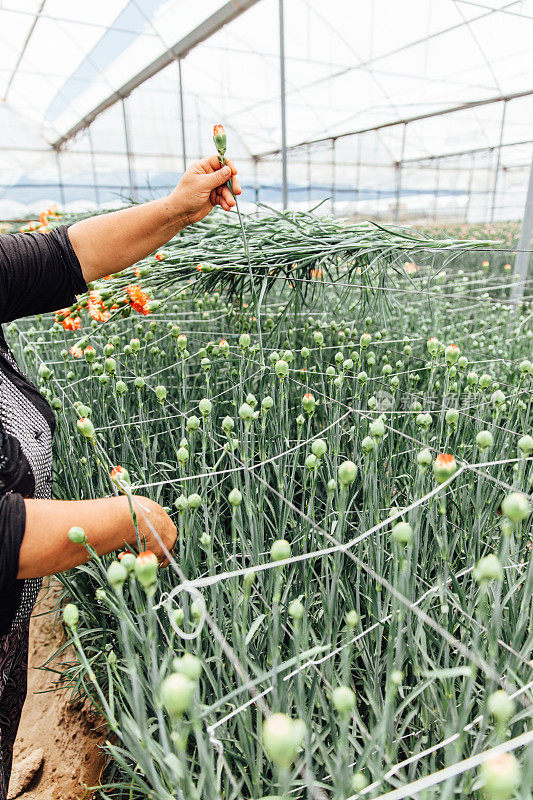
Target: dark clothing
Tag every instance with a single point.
(38, 273)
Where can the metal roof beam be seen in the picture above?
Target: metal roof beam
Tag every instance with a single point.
(227, 13)
(406, 121)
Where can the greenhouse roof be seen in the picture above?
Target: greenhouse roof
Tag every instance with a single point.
(349, 66)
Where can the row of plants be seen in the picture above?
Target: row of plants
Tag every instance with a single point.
(348, 609)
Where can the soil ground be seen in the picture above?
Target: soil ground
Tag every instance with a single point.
(67, 733)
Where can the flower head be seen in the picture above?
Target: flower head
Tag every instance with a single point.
(444, 467)
(138, 299)
(219, 138)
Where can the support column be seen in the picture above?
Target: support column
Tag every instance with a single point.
(521, 264)
(284, 187)
(93, 167)
(333, 184)
(60, 178)
(436, 192)
(309, 173)
(133, 191)
(182, 115)
(498, 162)
(399, 168)
(256, 178)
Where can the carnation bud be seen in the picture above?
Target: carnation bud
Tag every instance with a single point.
(343, 699)
(516, 507)
(177, 692)
(500, 776)
(146, 568)
(235, 498)
(280, 550)
(86, 428)
(319, 447)
(116, 575)
(188, 665)
(444, 467)
(402, 533)
(71, 616)
(282, 736)
(77, 535)
(484, 440)
(501, 706)
(347, 473)
(488, 569)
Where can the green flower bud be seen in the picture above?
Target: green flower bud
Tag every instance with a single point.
(516, 507)
(183, 455)
(71, 616)
(267, 403)
(116, 575)
(77, 535)
(86, 428)
(343, 699)
(280, 550)
(424, 459)
(402, 533)
(358, 782)
(235, 498)
(525, 445)
(368, 444)
(177, 692)
(296, 609)
(281, 368)
(193, 423)
(319, 447)
(161, 393)
(205, 406)
(181, 502)
(194, 501)
(347, 473)
(146, 569)
(377, 428)
(282, 736)
(245, 412)
(500, 776)
(488, 569)
(351, 618)
(484, 440)
(501, 706)
(188, 665)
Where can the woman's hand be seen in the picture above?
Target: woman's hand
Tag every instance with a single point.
(202, 187)
(107, 522)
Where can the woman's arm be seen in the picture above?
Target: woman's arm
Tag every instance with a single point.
(111, 242)
(46, 548)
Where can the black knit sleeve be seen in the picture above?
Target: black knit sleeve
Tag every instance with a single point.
(39, 272)
(12, 528)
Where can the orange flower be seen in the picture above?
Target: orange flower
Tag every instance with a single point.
(410, 267)
(96, 308)
(138, 299)
(444, 460)
(76, 351)
(147, 557)
(218, 130)
(484, 263)
(316, 273)
(43, 218)
(159, 256)
(71, 323)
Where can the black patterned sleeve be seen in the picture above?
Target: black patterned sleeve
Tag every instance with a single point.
(39, 272)
(12, 528)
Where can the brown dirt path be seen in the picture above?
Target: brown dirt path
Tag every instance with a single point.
(67, 733)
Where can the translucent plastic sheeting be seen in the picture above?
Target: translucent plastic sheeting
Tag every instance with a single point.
(349, 66)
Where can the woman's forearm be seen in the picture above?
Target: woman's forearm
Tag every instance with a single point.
(46, 548)
(111, 242)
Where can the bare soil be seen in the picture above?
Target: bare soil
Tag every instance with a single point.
(68, 733)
